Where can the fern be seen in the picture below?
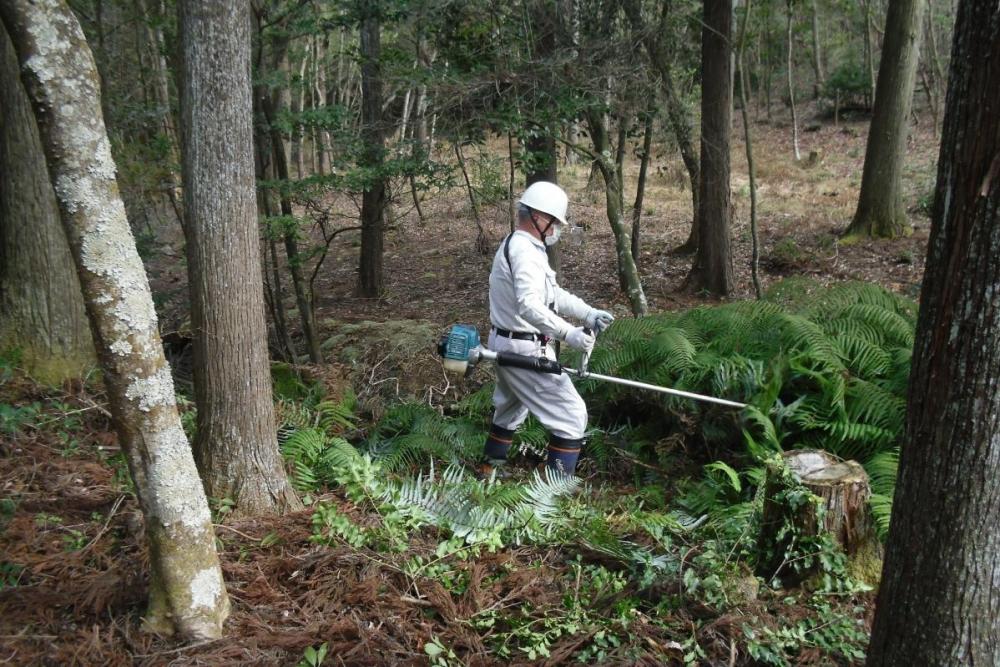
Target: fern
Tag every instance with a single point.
(455, 502)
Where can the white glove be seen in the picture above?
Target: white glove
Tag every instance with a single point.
(578, 339)
(599, 320)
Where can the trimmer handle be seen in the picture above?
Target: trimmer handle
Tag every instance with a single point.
(537, 364)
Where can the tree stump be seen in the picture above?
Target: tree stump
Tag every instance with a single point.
(843, 490)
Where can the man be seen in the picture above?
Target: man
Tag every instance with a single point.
(526, 311)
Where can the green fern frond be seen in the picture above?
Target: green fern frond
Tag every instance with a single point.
(881, 506)
(864, 359)
(882, 470)
(895, 328)
(337, 417)
(808, 338)
(870, 403)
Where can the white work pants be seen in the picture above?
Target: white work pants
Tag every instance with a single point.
(553, 399)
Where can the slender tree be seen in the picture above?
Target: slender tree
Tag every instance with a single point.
(375, 197)
(236, 445)
(881, 211)
(790, 74)
(817, 53)
(744, 83)
(186, 595)
(655, 43)
(713, 265)
(939, 596)
(628, 272)
(41, 311)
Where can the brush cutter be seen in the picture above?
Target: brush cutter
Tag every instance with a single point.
(461, 349)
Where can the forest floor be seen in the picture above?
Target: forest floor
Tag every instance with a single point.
(72, 559)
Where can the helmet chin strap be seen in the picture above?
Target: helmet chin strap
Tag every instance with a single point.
(541, 232)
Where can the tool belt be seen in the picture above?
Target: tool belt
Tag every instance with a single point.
(522, 335)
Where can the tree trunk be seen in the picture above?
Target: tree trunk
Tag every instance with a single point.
(713, 265)
(843, 490)
(187, 595)
(236, 446)
(938, 601)
(748, 143)
(268, 103)
(627, 269)
(677, 113)
(543, 165)
(817, 54)
(264, 170)
(790, 70)
(482, 243)
(640, 188)
(869, 53)
(881, 212)
(934, 67)
(373, 201)
(41, 311)
(298, 130)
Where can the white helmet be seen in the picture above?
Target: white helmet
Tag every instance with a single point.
(547, 198)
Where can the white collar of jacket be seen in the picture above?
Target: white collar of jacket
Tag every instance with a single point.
(540, 244)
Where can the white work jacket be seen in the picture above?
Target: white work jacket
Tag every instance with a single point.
(524, 295)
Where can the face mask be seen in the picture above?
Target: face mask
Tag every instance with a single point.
(553, 238)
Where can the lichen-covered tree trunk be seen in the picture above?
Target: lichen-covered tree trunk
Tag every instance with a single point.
(236, 445)
(187, 594)
(41, 310)
(371, 279)
(881, 211)
(628, 272)
(939, 600)
(713, 264)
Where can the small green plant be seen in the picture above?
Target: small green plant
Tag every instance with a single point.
(74, 539)
(786, 254)
(8, 506)
(13, 418)
(10, 574)
(313, 657)
(10, 359)
(43, 520)
(439, 654)
(221, 507)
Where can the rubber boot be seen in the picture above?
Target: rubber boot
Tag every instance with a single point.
(496, 449)
(563, 454)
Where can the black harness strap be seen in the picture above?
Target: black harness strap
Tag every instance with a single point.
(506, 255)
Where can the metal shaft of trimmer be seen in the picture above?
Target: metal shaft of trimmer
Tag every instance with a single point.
(545, 365)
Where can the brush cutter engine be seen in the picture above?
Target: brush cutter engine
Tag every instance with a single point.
(461, 349)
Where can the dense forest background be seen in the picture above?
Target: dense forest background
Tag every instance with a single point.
(314, 192)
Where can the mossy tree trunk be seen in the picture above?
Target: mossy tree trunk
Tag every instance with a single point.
(187, 595)
(712, 271)
(881, 211)
(41, 310)
(938, 601)
(236, 445)
(628, 272)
